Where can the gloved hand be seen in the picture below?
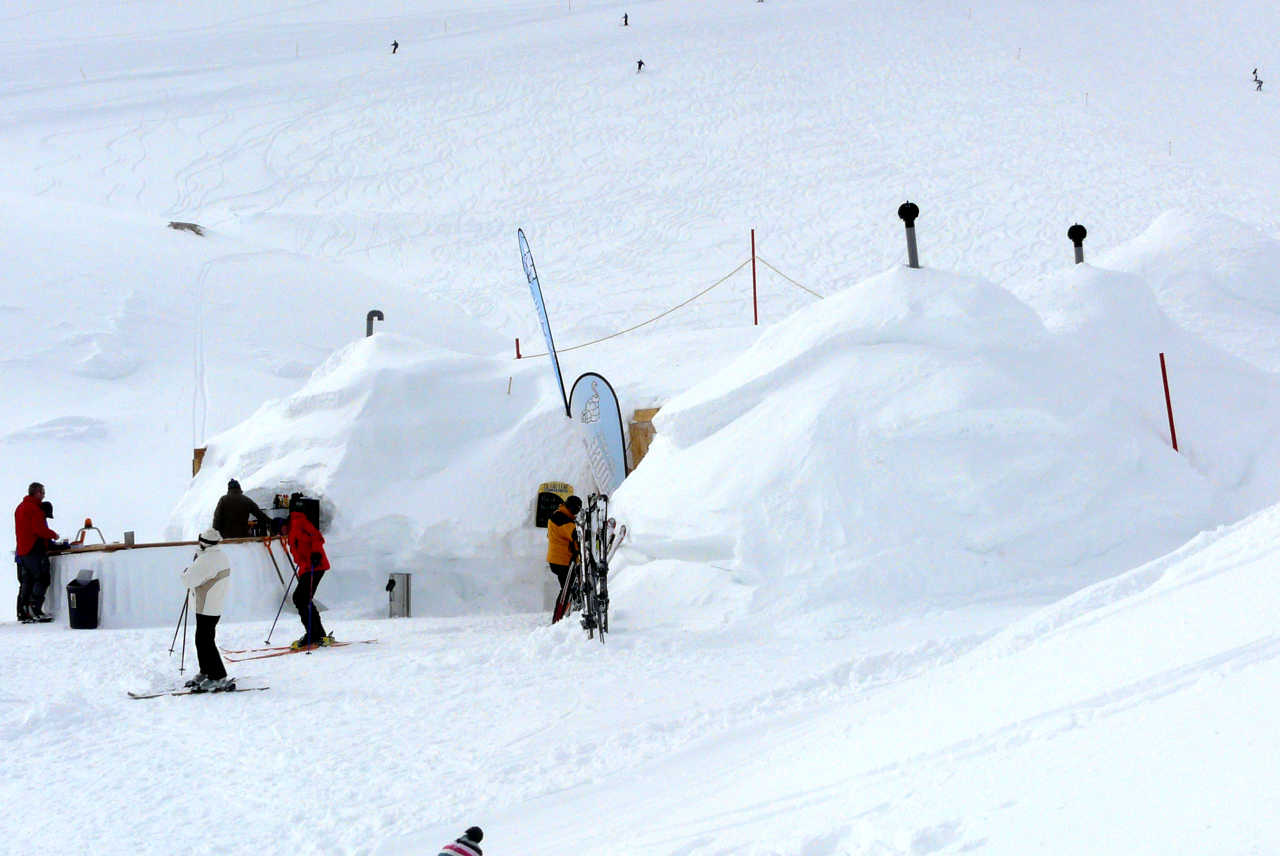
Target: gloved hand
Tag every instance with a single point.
(315, 559)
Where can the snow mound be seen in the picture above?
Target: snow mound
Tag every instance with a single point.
(426, 461)
(1215, 275)
(923, 437)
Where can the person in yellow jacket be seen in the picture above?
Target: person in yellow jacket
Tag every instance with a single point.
(562, 538)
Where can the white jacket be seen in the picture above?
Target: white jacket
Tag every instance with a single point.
(208, 579)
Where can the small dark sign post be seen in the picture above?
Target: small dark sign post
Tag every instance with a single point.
(368, 321)
(1077, 234)
(909, 211)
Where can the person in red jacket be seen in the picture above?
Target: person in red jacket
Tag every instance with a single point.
(32, 532)
(306, 545)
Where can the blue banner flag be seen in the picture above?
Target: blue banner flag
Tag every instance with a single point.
(532, 273)
(594, 407)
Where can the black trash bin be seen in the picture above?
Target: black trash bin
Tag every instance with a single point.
(82, 604)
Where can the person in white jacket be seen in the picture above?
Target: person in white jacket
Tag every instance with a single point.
(207, 581)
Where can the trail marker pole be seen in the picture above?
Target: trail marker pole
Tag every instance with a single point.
(517, 349)
(755, 310)
(1168, 402)
(368, 321)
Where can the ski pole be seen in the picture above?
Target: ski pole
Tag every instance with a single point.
(186, 601)
(182, 661)
(280, 610)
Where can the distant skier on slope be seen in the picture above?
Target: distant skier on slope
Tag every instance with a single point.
(207, 582)
(562, 539)
(395, 46)
(639, 66)
(624, 20)
(306, 545)
(467, 845)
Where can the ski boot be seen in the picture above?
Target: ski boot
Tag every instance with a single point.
(196, 681)
(215, 685)
(326, 641)
(301, 644)
(39, 616)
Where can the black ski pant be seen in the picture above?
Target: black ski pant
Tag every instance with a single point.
(303, 599)
(561, 572)
(33, 581)
(207, 647)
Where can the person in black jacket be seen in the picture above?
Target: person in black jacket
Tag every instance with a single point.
(231, 516)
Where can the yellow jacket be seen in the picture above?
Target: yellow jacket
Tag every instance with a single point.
(562, 537)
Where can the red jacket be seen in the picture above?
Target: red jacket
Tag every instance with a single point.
(28, 523)
(304, 540)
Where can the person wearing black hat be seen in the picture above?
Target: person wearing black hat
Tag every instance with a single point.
(207, 581)
(562, 547)
(231, 516)
(467, 845)
(306, 545)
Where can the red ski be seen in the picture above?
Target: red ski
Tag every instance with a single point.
(569, 592)
(263, 653)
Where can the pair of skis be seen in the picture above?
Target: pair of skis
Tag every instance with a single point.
(586, 586)
(247, 685)
(570, 596)
(238, 686)
(282, 650)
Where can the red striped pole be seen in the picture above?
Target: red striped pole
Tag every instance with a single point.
(1168, 402)
(755, 311)
(517, 349)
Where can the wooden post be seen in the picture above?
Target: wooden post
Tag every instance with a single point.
(1168, 403)
(197, 459)
(517, 349)
(755, 310)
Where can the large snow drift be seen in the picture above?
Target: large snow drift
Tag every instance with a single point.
(426, 460)
(923, 436)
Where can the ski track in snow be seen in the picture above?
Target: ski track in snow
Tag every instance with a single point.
(553, 726)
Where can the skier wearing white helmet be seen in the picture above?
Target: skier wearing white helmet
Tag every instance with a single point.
(207, 581)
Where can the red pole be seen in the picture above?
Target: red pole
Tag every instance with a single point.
(1168, 403)
(517, 349)
(755, 311)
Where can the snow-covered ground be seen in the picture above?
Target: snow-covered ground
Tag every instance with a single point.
(912, 568)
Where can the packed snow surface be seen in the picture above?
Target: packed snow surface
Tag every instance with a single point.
(913, 566)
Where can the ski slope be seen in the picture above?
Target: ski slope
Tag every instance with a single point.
(913, 567)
